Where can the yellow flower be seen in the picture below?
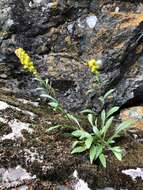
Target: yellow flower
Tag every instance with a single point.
(26, 61)
(94, 67)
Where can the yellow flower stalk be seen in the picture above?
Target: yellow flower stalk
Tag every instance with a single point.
(94, 67)
(26, 61)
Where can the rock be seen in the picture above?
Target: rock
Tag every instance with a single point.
(135, 114)
(60, 46)
(60, 38)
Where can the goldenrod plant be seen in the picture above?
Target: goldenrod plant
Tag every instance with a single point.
(29, 66)
(46, 88)
(26, 62)
(94, 66)
(97, 139)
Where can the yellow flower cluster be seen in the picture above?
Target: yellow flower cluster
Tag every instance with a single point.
(26, 61)
(92, 64)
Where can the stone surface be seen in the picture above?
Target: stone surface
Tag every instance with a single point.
(60, 36)
(135, 114)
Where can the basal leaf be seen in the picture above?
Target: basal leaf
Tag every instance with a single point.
(53, 128)
(90, 119)
(80, 133)
(108, 93)
(102, 160)
(111, 111)
(73, 118)
(54, 104)
(92, 153)
(106, 127)
(79, 149)
(103, 117)
(88, 142)
(99, 149)
(124, 125)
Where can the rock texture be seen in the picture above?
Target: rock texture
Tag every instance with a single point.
(61, 35)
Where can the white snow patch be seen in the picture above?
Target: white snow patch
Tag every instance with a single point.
(134, 173)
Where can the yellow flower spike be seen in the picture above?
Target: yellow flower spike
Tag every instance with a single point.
(94, 67)
(26, 61)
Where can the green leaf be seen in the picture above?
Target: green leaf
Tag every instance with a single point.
(117, 149)
(54, 104)
(90, 119)
(118, 152)
(108, 93)
(102, 160)
(105, 128)
(48, 96)
(95, 130)
(110, 141)
(92, 153)
(70, 116)
(75, 143)
(99, 149)
(80, 133)
(53, 128)
(79, 149)
(103, 117)
(111, 111)
(89, 142)
(39, 89)
(124, 125)
(101, 98)
(46, 81)
(88, 111)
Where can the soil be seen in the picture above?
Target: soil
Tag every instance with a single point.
(53, 163)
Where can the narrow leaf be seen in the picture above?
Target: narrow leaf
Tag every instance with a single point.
(53, 128)
(80, 133)
(99, 150)
(48, 96)
(108, 93)
(111, 111)
(103, 117)
(106, 126)
(54, 104)
(92, 153)
(118, 155)
(124, 125)
(78, 149)
(74, 144)
(102, 160)
(70, 116)
(90, 119)
(88, 111)
(101, 98)
(88, 142)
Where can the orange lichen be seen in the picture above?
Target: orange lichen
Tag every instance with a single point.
(129, 19)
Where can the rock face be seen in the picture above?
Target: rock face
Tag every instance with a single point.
(61, 35)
